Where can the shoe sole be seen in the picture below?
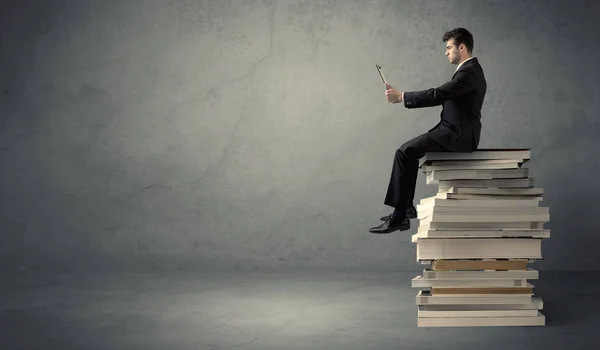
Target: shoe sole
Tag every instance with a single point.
(399, 228)
(411, 216)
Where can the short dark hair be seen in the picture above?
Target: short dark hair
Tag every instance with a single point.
(460, 36)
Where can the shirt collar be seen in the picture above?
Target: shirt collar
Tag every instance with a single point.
(463, 62)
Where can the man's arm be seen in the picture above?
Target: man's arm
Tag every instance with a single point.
(462, 83)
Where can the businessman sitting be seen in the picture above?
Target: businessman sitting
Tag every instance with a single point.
(458, 130)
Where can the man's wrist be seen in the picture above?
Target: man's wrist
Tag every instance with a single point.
(401, 99)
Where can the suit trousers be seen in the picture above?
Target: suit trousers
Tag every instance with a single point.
(403, 180)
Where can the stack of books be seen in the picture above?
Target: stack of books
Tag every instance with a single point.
(478, 234)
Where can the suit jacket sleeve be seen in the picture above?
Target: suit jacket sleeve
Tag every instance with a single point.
(463, 82)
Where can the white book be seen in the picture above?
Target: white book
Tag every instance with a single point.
(445, 185)
(470, 161)
(421, 312)
(519, 321)
(496, 191)
(500, 202)
(502, 165)
(536, 303)
(479, 248)
(480, 274)
(507, 233)
(471, 226)
(485, 217)
(463, 196)
(425, 298)
(438, 175)
(480, 154)
(426, 210)
(422, 282)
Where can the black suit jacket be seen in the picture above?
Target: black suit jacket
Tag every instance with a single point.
(461, 98)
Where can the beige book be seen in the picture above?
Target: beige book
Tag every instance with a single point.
(536, 304)
(462, 196)
(445, 185)
(482, 290)
(533, 191)
(448, 162)
(479, 248)
(501, 164)
(426, 298)
(508, 233)
(470, 226)
(422, 282)
(425, 211)
(475, 313)
(478, 265)
(543, 214)
(481, 274)
(518, 321)
(481, 154)
(435, 201)
(435, 176)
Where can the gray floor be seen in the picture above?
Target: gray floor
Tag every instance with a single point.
(260, 310)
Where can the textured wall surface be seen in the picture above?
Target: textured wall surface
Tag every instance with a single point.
(255, 134)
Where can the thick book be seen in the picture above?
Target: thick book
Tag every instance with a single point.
(471, 165)
(496, 191)
(481, 154)
(508, 233)
(425, 211)
(445, 185)
(460, 196)
(470, 226)
(479, 248)
(435, 176)
(479, 265)
(536, 303)
(482, 321)
(528, 289)
(430, 274)
(426, 298)
(423, 282)
(436, 201)
(447, 214)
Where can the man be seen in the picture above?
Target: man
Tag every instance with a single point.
(458, 130)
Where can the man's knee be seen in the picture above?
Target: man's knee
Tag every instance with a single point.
(407, 150)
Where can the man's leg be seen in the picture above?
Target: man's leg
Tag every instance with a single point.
(403, 178)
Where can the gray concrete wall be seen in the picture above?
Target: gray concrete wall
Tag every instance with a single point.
(255, 134)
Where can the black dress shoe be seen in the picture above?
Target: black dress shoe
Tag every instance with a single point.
(391, 225)
(411, 213)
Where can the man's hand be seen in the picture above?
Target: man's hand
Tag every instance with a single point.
(392, 95)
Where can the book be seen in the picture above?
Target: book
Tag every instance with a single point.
(479, 265)
(487, 183)
(496, 203)
(538, 320)
(481, 154)
(528, 273)
(482, 174)
(470, 165)
(498, 233)
(426, 298)
(479, 248)
(422, 282)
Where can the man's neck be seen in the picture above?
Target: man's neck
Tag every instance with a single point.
(461, 62)
(466, 58)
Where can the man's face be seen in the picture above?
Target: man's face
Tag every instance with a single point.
(452, 52)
